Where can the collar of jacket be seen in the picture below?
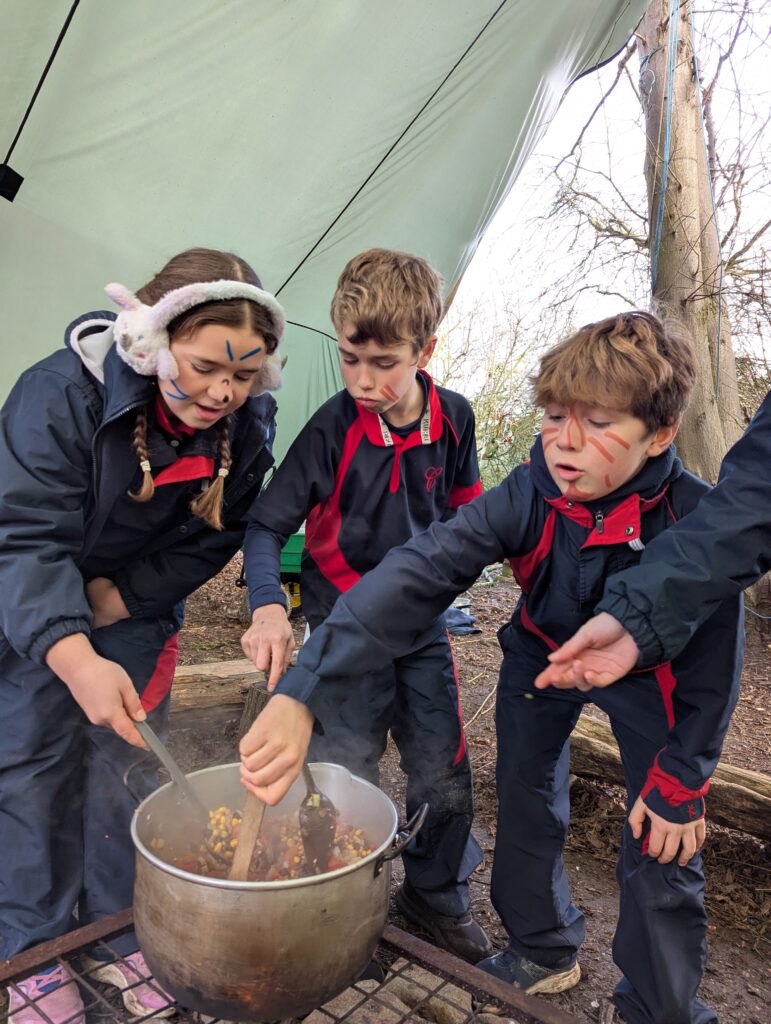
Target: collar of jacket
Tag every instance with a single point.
(614, 518)
(429, 429)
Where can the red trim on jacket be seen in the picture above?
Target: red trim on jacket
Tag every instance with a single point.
(525, 566)
(531, 627)
(461, 751)
(667, 683)
(160, 681)
(619, 526)
(463, 495)
(322, 528)
(670, 788)
(187, 467)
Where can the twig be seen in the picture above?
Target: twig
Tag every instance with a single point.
(483, 708)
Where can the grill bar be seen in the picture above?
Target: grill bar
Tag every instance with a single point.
(431, 974)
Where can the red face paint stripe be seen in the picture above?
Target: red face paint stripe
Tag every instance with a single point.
(607, 481)
(602, 449)
(573, 422)
(163, 675)
(617, 439)
(389, 393)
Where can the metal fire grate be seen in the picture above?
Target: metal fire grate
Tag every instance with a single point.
(422, 983)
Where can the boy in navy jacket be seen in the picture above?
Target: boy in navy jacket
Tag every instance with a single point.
(377, 464)
(650, 612)
(602, 482)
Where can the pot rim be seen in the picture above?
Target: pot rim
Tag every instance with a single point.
(286, 883)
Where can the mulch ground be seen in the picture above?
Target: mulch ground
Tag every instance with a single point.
(738, 867)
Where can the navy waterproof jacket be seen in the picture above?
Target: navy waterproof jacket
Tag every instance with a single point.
(66, 458)
(720, 549)
(561, 552)
(363, 488)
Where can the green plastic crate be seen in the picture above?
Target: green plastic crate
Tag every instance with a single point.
(291, 555)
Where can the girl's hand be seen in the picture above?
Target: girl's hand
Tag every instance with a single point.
(106, 602)
(269, 642)
(667, 838)
(102, 688)
(274, 749)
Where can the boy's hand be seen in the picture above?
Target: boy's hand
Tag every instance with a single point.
(666, 837)
(268, 643)
(102, 688)
(274, 749)
(106, 602)
(600, 652)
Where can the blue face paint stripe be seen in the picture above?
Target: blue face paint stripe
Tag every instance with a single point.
(180, 392)
(230, 350)
(252, 353)
(178, 398)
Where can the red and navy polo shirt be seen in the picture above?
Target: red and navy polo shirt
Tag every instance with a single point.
(363, 487)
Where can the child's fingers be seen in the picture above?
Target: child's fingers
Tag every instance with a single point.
(672, 844)
(637, 818)
(701, 832)
(688, 847)
(125, 728)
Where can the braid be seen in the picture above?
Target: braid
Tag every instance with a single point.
(208, 504)
(139, 438)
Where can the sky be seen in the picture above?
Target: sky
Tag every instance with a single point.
(525, 247)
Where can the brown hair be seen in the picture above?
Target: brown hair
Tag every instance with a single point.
(190, 267)
(633, 362)
(390, 297)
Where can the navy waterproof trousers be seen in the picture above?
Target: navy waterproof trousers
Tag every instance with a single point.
(65, 810)
(417, 699)
(660, 940)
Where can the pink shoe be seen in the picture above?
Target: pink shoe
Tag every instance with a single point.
(53, 992)
(127, 974)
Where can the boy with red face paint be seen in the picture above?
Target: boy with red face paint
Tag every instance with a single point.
(602, 481)
(374, 466)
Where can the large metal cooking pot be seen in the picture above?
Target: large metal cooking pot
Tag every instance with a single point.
(262, 950)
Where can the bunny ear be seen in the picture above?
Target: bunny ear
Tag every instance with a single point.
(122, 297)
(269, 377)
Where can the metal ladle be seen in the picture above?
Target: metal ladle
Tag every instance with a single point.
(318, 823)
(189, 799)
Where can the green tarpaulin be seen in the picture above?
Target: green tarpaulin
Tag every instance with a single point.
(294, 132)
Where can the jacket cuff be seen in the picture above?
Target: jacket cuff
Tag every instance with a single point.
(130, 599)
(651, 648)
(299, 683)
(670, 799)
(266, 595)
(42, 643)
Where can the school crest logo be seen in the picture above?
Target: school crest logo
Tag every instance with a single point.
(432, 474)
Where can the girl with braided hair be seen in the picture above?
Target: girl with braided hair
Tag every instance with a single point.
(128, 460)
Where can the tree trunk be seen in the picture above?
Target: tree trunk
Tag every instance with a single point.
(688, 260)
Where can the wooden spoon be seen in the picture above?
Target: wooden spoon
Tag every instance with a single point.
(251, 823)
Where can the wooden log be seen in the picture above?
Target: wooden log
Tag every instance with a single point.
(737, 798)
(213, 684)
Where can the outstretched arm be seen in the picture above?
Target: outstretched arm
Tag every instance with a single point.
(715, 552)
(601, 652)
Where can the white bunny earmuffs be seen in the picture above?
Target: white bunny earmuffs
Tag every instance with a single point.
(142, 339)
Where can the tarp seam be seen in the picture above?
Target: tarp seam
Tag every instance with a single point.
(394, 144)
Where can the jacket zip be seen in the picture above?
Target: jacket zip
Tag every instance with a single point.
(599, 522)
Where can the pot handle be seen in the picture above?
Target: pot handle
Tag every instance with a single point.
(403, 837)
